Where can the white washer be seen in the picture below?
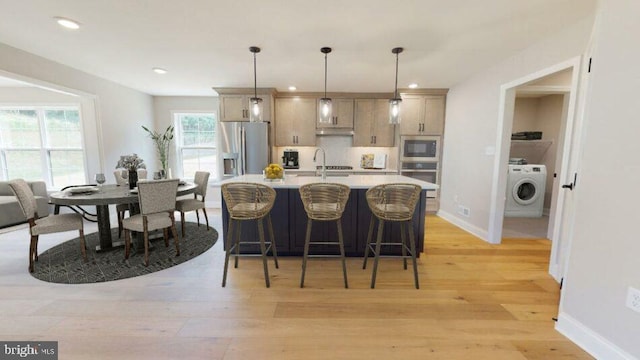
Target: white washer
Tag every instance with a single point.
(525, 190)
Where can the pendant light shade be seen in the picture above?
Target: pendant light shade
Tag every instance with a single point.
(255, 103)
(326, 111)
(394, 104)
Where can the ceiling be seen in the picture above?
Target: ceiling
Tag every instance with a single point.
(205, 43)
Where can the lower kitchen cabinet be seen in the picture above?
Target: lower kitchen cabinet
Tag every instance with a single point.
(290, 224)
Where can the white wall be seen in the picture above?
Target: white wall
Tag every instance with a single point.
(119, 111)
(471, 125)
(605, 248)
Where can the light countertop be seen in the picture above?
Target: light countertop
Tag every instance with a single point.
(353, 181)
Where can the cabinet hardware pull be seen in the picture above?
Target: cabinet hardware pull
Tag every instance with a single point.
(375, 139)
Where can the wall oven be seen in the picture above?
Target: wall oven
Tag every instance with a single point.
(419, 148)
(420, 159)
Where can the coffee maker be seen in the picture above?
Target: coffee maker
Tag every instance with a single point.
(290, 159)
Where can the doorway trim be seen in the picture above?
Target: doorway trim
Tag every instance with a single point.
(503, 138)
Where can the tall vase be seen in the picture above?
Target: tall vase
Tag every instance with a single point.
(133, 179)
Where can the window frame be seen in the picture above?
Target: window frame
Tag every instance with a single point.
(179, 137)
(45, 148)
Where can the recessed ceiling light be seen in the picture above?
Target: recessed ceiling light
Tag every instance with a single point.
(158, 70)
(67, 23)
(413, 86)
(292, 88)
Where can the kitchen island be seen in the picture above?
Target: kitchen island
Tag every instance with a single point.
(290, 220)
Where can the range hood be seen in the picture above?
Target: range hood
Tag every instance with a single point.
(334, 132)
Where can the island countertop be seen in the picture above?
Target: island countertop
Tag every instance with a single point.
(353, 181)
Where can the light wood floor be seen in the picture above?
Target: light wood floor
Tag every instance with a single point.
(476, 301)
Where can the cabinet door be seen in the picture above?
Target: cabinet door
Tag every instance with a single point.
(295, 121)
(342, 110)
(434, 114)
(304, 120)
(412, 116)
(363, 122)
(383, 132)
(233, 107)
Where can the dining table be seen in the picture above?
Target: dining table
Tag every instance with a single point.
(103, 196)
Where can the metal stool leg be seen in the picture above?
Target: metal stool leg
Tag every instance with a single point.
(369, 238)
(377, 253)
(404, 244)
(341, 244)
(273, 240)
(307, 239)
(412, 243)
(229, 246)
(237, 246)
(263, 250)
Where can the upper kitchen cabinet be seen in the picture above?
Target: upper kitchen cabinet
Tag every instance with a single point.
(342, 110)
(295, 121)
(422, 114)
(371, 124)
(234, 103)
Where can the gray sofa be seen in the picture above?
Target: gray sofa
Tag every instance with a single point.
(10, 211)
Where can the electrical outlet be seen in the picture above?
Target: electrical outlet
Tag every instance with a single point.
(633, 299)
(464, 211)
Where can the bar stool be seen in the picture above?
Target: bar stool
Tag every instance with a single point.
(324, 202)
(249, 201)
(392, 202)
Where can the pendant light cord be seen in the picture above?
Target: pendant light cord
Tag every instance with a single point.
(395, 94)
(325, 75)
(255, 77)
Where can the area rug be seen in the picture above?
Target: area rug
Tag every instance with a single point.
(63, 263)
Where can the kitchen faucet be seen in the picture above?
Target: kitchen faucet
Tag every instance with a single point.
(324, 160)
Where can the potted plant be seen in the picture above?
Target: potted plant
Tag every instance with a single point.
(162, 142)
(131, 163)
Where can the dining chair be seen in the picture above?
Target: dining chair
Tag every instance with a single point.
(324, 202)
(248, 202)
(201, 179)
(392, 203)
(121, 177)
(157, 200)
(44, 225)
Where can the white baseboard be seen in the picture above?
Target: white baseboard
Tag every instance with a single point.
(589, 341)
(481, 233)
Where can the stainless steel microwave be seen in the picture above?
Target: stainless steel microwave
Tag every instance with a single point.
(419, 148)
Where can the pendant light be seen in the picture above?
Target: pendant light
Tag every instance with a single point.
(255, 103)
(394, 104)
(325, 115)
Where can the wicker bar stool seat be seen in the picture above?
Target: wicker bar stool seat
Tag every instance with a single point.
(247, 202)
(324, 202)
(392, 202)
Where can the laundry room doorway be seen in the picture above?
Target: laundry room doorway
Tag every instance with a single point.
(535, 136)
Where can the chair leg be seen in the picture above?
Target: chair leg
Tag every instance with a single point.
(176, 240)
(263, 250)
(182, 222)
(412, 243)
(238, 235)
(344, 262)
(307, 239)
(368, 244)
(206, 218)
(165, 234)
(35, 249)
(377, 253)
(146, 242)
(273, 240)
(127, 243)
(32, 250)
(83, 245)
(228, 242)
(198, 217)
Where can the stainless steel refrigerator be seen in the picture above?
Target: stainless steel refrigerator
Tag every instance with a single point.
(244, 146)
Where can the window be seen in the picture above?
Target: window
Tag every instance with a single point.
(42, 143)
(196, 143)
